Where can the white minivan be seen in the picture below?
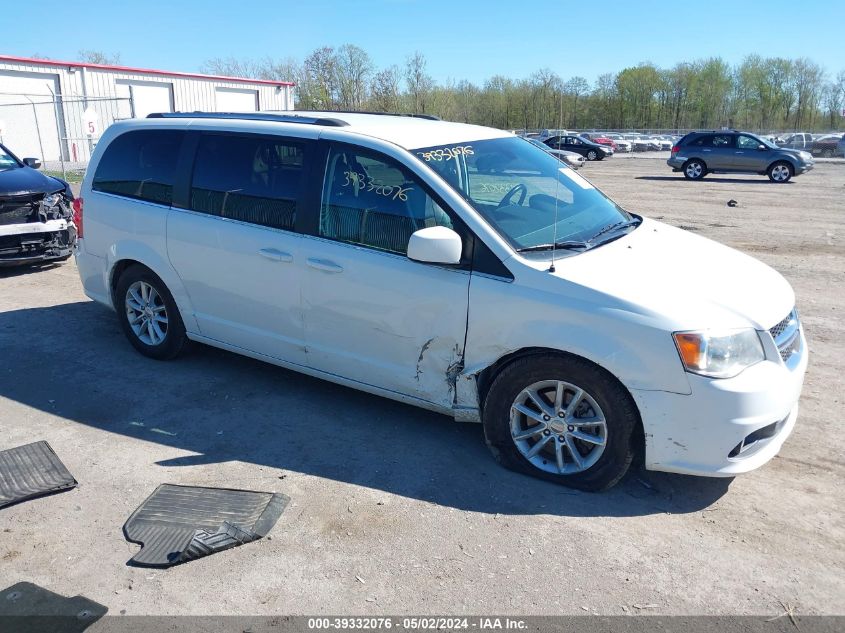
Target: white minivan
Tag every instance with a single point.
(453, 267)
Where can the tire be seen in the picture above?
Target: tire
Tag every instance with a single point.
(780, 171)
(158, 340)
(511, 435)
(827, 153)
(695, 169)
(592, 155)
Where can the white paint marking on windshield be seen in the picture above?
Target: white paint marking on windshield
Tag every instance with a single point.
(576, 178)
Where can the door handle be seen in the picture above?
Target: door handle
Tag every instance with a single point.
(739, 152)
(705, 150)
(325, 265)
(276, 255)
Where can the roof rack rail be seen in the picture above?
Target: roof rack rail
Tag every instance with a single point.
(414, 115)
(251, 116)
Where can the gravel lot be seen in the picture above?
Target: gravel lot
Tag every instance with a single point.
(397, 510)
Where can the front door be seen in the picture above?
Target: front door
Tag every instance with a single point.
(371, 314)
(748, 156)
(235, 248)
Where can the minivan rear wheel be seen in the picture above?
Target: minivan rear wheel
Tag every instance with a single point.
(780, 171)
(694, 169)
(561, 418)
(148, 315)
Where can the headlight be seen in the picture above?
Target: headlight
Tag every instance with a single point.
(806, 155)
(719, 354)
(50, 200)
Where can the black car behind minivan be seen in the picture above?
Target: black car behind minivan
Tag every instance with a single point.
(580, 145)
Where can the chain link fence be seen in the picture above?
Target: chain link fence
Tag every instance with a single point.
(61, 131)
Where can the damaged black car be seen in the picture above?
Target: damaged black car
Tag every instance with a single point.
(36, 213)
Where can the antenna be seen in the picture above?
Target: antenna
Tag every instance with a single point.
(557, 189)
(554, 230)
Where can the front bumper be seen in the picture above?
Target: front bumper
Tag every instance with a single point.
(804, 168)
(725, 427)
(34, 242)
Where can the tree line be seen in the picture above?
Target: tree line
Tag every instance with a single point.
(765, 94)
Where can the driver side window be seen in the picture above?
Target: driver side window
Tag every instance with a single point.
(372, 201)
(746, 142)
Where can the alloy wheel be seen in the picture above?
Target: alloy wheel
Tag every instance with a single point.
(558, 427)
(146, 313)
(694, 170)
(780, 173)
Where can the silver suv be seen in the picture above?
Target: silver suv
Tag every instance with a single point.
(700, 153)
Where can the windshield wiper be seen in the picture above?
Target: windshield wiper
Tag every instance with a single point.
(565, 245)
(614, 227)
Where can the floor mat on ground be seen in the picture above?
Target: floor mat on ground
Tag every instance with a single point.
(31, 471)
(181, 523)
(28, 608)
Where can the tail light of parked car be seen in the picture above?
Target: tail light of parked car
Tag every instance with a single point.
(77, 215)
(675, 149)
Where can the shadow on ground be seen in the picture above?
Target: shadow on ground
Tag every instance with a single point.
(26, 269)
(72, 361)
(739, 181)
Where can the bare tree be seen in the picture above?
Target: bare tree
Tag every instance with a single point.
(354, 67)
(384, 90)
(319, 89)
(576, 88)
(419, 82)
(98, 57)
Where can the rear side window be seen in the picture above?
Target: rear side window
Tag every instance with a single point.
(140, 165)
(248, 178)
(714, 140)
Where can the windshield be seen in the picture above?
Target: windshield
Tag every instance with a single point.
(7, 161)
(527, 195)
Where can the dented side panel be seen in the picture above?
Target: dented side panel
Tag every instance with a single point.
(385, 320)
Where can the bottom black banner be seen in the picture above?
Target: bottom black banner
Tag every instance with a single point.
(90, 623)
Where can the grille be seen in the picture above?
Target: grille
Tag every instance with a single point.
(777, 330)
(786, 335)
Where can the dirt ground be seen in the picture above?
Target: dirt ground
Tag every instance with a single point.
(397, 510)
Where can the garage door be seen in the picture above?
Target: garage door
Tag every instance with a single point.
(236, 100)
(28, 114)
(150, 97)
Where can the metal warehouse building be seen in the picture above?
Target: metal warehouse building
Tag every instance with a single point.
(57, 110)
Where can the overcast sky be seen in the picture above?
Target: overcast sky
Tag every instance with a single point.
(461, 39)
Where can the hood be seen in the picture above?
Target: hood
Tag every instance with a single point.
(683, 279)
(794, 152)
(25, 180)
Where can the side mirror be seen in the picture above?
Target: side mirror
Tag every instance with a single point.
(35, 163)
(762, 147)
(435, 245)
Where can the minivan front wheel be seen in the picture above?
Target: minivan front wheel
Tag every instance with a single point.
(148, 315)
(694, 170)
(780, 172)
(563, 419)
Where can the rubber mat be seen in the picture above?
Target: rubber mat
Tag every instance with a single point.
(28, 608)
(31, 471)
(181, 523)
